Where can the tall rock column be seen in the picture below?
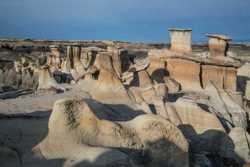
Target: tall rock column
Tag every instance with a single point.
(181, 40)
(218, 44)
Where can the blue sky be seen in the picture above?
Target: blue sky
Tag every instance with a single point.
(128, 20)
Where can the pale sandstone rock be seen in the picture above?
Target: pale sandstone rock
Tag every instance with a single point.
(190, 113)
(161, 90)
(241, 140)
(104, 61)
(118, 60)
(86, 58)
(172, 85)
(218, 44)
(65, 66)
(107, 78)
(143, 90)
(247, 90)
(78, 69)
(56, 56)
(181, 40)
(109, 81)
(140, 63)
(230, 113)
(73, 124)
(157, 67)
(46, 81)
(223, 77)
(243, 75)
(27, 80)
(186, 72)
(18, 66)
(11, 78)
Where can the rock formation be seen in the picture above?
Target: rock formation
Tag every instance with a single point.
(124, 104)
(181, 40)
(218, 44)
(46, 81)
(74, 124)
(241, 140)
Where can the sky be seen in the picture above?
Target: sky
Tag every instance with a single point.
(127, 20)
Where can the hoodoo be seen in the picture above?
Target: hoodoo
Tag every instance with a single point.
(121, 104)
(181, 40)
(218, 44)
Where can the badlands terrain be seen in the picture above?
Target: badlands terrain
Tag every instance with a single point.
(119, 104)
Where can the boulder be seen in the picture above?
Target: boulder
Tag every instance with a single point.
(73, 125)
(192, 115)
(1, 79)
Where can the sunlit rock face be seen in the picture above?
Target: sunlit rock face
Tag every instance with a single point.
(181, 40)
(74, 124)
(218, 44)
(110, 103)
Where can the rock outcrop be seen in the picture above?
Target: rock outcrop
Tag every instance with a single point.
(241, 140)
(74, 124)
(46, 81)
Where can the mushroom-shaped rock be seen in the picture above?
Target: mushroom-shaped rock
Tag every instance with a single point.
(218, 44)
(181, 40)
(46, 81)
(74, 124)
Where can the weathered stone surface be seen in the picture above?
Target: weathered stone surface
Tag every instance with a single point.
(241, 140)
(247, 90)
(230, 113)
(199, 119)
(120, 60)
(1, 79)
(46, 81)
(122, 81)
(212, 73)
(186, 72)
(223, 77)
(11, 78)
(157, 67)
(27, 80)
(181, 40)
(74, 124)
(218, 44)
(243, 75)
(230, 79)
(172, 85)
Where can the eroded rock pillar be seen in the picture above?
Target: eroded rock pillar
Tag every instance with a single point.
(181, 40)
(218, 44)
